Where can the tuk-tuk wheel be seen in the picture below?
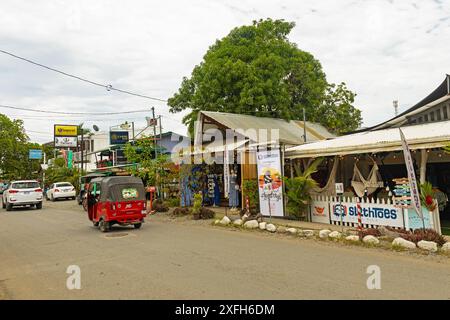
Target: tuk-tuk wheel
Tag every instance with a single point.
(95, 223)
(103, 225)
(137, 225)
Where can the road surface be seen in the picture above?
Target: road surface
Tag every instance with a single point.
(172, 260)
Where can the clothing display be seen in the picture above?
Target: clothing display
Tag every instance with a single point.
(186, 193)
(329, 189)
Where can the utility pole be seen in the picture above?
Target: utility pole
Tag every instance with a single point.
(82, 149)
(154, 131)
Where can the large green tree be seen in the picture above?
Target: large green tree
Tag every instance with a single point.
(14, 146)
(255, 70)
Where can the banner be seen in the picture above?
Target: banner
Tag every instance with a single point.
(371, 213)
(270, 183)
(320, 211)
(62, 130)
(415, 196)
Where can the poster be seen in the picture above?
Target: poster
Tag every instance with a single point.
(270, 183)
(66, 142)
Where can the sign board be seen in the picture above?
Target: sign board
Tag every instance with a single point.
(414, 221)
(62, 130)
(320, 211)
(118, 137)
(66, 142)
(270, 183)
(35, 154)
(151, 122)
(415, 195)
(371, 213)
(339, 187)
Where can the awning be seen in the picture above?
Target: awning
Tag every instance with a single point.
(220, 148)
(423, 136)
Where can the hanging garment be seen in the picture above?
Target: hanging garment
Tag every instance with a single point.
(233, 192)
(329, 188)
(371, 184)
(186, 193)
(216, 191)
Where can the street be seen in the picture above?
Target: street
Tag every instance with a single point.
(170, 260)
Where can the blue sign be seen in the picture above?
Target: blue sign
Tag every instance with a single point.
(415, 222)
(35, 154)
(118, 137)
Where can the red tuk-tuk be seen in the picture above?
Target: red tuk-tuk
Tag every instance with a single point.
(116, 200)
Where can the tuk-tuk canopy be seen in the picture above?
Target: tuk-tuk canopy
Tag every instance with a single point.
(118, 188)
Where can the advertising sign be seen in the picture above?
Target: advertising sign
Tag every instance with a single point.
(35, 154)
(371, 213)
(415, 195)
(270, 183)
(118, 137)
(320, 211)
(62, 130)
(415, 221)
(66, 142)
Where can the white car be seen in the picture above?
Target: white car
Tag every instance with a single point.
(60, 190)
(22, 193)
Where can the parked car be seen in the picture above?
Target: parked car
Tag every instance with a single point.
(61, 190)
(22, 193)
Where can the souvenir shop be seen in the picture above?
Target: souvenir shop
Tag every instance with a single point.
(372, 167)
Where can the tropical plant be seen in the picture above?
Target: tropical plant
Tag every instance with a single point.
(298, 190)
(197, 205)
(427, 196)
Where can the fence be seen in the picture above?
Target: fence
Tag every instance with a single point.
(374, 213)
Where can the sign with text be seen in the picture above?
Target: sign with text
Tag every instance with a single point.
(320, 211)
(63, 130)
(35, 154)
(66, 142)
(371, 213)
(270, 183)
(339, 187)
(118, 137)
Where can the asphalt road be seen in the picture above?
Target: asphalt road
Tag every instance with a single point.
(171, 260)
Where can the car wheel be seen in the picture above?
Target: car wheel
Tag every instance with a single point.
(8, 206)
(39, 205)
(103, 225)
(137, 225)
(95, 223)
(52, 198)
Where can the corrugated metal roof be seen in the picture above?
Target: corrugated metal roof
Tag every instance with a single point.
(421, 136)
(290, 132)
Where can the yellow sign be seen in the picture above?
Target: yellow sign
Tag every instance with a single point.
(66, 130)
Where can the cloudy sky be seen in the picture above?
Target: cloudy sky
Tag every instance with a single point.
(384, 50)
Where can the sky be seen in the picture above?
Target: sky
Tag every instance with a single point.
(384, 50)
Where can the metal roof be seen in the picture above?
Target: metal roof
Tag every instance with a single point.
(290, 132)
(422, 136)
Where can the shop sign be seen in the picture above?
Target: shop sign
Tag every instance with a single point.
(270, 185)
(66, 142)
(371, 214)
(320, 211)
(118, 137)
(65, 130)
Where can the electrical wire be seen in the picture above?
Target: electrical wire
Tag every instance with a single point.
(74, 113)
(107, 87)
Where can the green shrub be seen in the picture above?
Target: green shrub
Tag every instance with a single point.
(250, 189)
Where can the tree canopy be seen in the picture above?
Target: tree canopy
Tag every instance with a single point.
(256, 70)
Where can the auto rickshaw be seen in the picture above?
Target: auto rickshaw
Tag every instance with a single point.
(116, 200)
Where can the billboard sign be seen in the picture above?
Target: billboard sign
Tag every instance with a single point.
(118, 137)
(63, 130)
(66, 142)
(35, 154)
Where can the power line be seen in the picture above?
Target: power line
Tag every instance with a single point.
(74, 113)
(107, 87)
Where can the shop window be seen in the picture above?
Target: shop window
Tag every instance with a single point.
(438, 115)
(444, 112)
(425, 118)
(432, 116)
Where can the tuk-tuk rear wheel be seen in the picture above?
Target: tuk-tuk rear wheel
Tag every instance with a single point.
(103, 225)
(137, 225)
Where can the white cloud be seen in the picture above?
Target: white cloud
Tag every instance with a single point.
(383, 50)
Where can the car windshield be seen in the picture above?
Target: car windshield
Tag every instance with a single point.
(65, 184)
(25, 185)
